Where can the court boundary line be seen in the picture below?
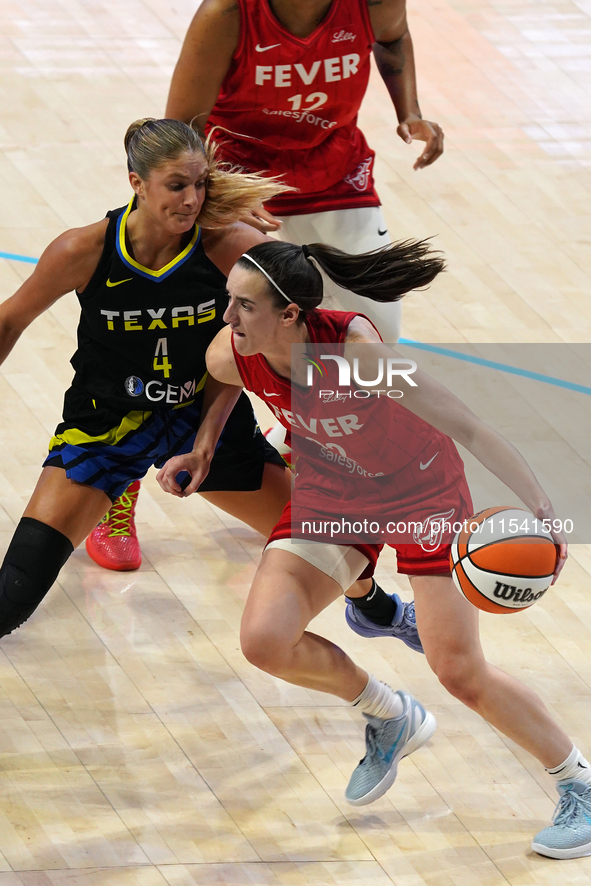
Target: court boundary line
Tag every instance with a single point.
(434, 349)
(501, 367)
(14, 257)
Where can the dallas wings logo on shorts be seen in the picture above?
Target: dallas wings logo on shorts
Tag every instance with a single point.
(359, 178)
(429, 533)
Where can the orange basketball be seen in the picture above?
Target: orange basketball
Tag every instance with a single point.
(503, 559)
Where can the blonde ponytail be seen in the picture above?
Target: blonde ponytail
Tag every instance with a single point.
(231, 193)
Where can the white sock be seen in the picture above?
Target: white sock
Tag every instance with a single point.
(574, 767)
(379, 700)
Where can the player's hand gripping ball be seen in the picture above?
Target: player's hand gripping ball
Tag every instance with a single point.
(503, 560)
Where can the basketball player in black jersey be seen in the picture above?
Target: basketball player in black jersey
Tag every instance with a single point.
(152, 289)
(151, 285)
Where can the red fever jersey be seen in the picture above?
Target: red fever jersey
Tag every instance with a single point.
(289, 105)
(364, 459)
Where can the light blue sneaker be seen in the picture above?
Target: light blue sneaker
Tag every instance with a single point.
(387, 742)
(403, 625)
(569, 835)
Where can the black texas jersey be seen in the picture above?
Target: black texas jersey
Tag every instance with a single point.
(143, 334)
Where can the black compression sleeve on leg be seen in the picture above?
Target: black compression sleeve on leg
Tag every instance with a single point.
(33, 560)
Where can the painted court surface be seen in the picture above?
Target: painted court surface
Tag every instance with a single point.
(138, 747)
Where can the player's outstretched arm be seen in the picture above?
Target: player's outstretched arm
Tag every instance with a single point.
(394, 55)
(67, 264)
(435, 404)
(203, 63)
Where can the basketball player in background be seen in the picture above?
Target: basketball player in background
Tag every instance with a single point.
(284, 80)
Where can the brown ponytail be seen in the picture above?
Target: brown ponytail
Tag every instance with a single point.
(383, 275)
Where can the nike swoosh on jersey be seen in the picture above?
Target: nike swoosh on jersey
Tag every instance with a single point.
(260, 48)
(423, 467)
(110, 283)
(382, 233)
(267, 394)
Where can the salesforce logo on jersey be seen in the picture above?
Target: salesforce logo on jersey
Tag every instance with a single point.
(360, 376)
(158, 391)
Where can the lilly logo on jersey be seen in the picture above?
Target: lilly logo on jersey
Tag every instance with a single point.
(343, 36)
(386, 370)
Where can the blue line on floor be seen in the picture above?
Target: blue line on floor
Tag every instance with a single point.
(502, 367)
(434, 349)
(13, 257)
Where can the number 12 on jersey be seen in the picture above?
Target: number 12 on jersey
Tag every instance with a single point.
(162, 351)
(312, 102)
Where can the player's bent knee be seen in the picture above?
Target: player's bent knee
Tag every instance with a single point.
(33, 560)
(461, 676)
(264, 650)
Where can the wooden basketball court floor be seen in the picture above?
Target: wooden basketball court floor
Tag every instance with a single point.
(137, 747)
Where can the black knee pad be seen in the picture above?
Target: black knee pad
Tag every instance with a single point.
(33, 560)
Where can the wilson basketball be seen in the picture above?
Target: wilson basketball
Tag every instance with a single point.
(503, 559)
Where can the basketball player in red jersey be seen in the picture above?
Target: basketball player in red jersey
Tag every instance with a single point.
(284, 80)
(275, 290)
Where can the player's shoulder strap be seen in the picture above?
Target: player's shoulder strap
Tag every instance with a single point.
(100, 274)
